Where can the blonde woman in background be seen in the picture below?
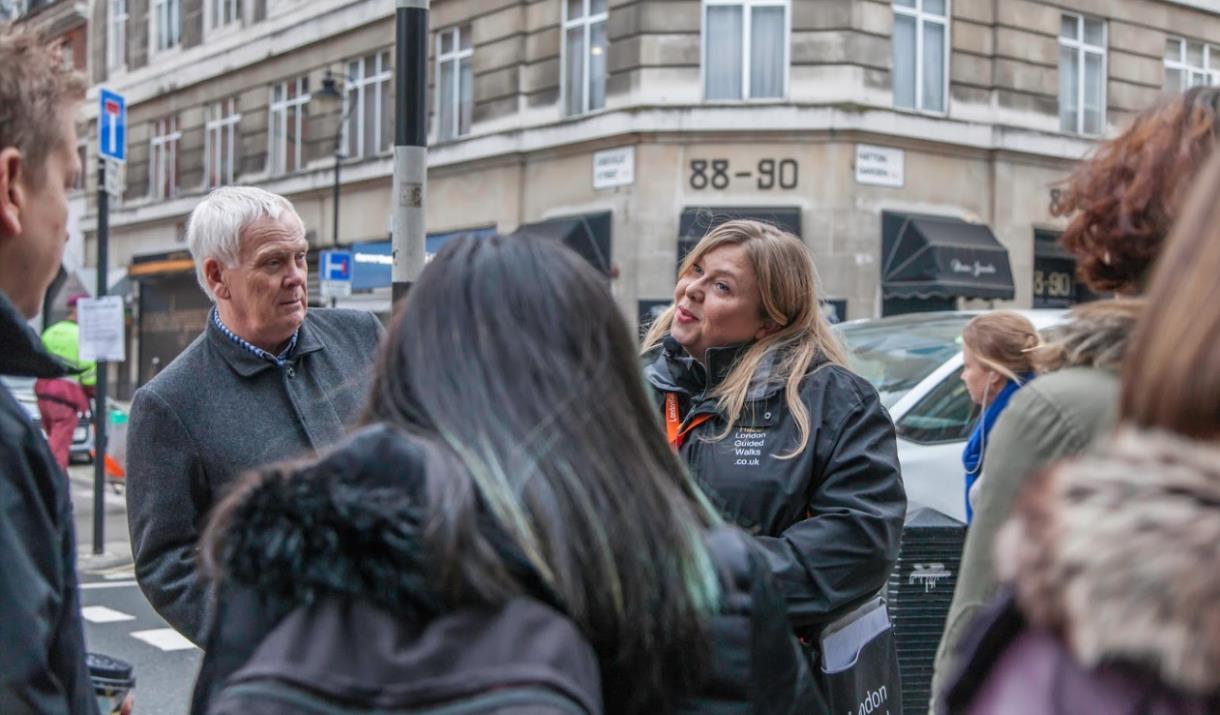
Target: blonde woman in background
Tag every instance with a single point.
(789, 444)
(997, 359)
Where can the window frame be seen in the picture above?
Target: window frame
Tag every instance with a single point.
(1082, 48)
(174, 7)
(588, 20)
(166, 133)
(747, 7)
(116, 30)
(226, 124)
(358, 85)
(212, 7)
(300, 103)
(921, 18)
(455, 56)
(1182, 63)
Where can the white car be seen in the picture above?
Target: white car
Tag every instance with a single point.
(915, 362)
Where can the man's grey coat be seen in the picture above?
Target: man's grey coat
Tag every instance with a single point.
(217, 411)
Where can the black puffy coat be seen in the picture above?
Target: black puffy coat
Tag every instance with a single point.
(42, 658)
(829, 519)
(330, 557)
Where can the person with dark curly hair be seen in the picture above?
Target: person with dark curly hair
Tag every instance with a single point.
(1123, 201)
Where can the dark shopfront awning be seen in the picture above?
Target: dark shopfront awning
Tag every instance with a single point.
(941, 257)
(588, 235)
(696, 221)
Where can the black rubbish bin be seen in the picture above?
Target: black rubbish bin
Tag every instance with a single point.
(920, 591)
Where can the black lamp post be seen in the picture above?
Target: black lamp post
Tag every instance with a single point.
(331, 92)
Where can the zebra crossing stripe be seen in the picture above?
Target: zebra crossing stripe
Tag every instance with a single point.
(101, 614)
(166, 639)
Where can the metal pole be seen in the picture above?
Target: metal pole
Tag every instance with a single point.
(410, 142)
(334, 233)
(99, 402)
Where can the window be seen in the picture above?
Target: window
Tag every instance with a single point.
(116, 35)
(222, 13)
(1190, 64)
(166, 24)
(367, 106)
(584, 51)
(220, 142)
(289, 101)
(163, 159)
(921, 55)
(1082, 74)
(745, 49)
(454, 75)
(82, 154)
(946, 414)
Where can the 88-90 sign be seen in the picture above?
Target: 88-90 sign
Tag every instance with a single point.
(769, 174)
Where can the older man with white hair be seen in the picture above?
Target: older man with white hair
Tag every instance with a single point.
(267, 380)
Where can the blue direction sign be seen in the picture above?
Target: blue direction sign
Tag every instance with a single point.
(112, 126)
(337, 266)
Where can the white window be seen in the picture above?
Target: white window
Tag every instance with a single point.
(1190, 64)
(584, 51)
(289, 102)
(116, 35)
(921, 55)
(1082, 74)
(163, 159)
(223, 13)
(220, 142)
(166, 24)
(454, 80)
(370, 113)
(745, 49)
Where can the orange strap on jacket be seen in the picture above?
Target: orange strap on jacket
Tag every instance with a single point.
(673, 422)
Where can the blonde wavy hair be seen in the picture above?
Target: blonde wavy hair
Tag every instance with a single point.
(788, 297)
(1005, 342)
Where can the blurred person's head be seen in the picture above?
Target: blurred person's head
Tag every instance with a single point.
(513, 354)
(1124, 199)
(72, 302)
(751, 282)
(39, 99)
(249, 250)
(996, 348)
(1171, 376)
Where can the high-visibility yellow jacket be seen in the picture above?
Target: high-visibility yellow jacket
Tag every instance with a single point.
(63, 340)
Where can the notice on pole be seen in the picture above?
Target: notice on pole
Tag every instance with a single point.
(101, 328)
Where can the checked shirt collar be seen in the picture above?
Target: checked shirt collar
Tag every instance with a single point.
(277, 360)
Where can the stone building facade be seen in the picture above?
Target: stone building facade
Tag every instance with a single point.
(644, 121)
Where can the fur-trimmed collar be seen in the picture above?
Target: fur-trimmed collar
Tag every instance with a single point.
(1117, 553)
(348, 524)
(1095, 336)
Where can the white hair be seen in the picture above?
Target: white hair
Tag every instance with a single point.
(218, 221)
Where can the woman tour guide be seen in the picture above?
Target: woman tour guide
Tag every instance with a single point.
(788, 443)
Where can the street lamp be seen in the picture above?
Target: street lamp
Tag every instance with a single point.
(327, 96)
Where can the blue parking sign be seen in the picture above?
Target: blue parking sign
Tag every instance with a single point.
(112, 126)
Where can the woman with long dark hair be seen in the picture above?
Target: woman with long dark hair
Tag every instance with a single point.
(510, 454)
(791, 445)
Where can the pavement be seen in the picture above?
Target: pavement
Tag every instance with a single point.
(118, 619)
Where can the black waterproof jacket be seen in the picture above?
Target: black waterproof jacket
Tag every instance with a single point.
(42, 648)
(829, 519)
(330, 557)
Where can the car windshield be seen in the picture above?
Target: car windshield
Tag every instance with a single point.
(895, 354)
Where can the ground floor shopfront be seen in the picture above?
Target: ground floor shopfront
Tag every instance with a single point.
(893, 225)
